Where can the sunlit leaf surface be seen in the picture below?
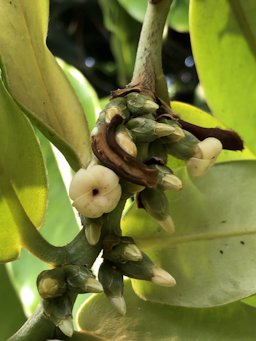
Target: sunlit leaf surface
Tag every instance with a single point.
(147, 321)
(223, 35)
(212, 253)
(22, 171)
(36, 81)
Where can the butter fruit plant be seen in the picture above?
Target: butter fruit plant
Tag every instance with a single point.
(162, 193)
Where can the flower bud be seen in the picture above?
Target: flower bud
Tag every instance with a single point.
(58, 310)
(148, 130)
(167, 180)
(178, 133)
(51, 283)
(125, 141)
(139, 104)
(112, 281)
(93, 230)
(95, 191)
(147, 270)
(116, 106)
(205, 156)
(184, 149)
(122, 252)
(155, 202)
(81, 280)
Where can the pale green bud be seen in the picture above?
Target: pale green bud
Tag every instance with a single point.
(116, 106)
(147, 130)
(93, 230)
(184, 149)
(139, 104)
(167, 180)
(112, 281)
(124, 251)
(66, 326)
(178, 133)
(162, 277)
(124, 140)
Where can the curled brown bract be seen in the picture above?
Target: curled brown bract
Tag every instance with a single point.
(111, 155)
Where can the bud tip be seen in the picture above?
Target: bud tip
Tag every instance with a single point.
(162, 277)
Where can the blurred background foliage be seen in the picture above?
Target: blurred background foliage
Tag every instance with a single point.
(100, 39)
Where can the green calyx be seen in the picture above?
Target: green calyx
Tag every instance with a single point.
(185, 148)
(125, 251)
(140, 105)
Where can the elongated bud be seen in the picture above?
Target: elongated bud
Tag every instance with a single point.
(125, 141)
(155, 202)
(139, 104)
(80, 279)
(93, 230)
(112, 281)
(184, 149)
(122, 252)
(147, 270)
(51, 283)
(178, 133)
(116, 106)
(58, 310)
(205, 156)
(66, 326)
(148, 130)
(167, 180)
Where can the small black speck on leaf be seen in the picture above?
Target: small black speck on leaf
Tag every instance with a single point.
(242, 242)
(223, 221)
(221, 252)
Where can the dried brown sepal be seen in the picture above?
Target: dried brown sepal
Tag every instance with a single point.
(114, 157)
(230, 139)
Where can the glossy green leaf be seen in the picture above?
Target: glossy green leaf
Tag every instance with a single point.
(84, 91)
(59, 228)
(11, 313)
(147, 321)
(177, 18)
(23, 173)
(212, 253)
(223, 35)
(36, 81)
(199, 117)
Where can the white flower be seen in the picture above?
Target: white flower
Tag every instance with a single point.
(206, 154)
(95, 191)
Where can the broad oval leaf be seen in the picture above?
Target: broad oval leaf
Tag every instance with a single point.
(59, 228)
(36, 81)
(147, 321)
(223, 35)
(177, 18)
(22, 171)
(212, 253)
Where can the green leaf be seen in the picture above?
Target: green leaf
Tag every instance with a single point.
(223, 35)
(23, 180)
(11, 314)
(199, 117)
(146, 321)
(59, 228)
(84, 91)
(177, 18)
(212, 253)
(36, 81)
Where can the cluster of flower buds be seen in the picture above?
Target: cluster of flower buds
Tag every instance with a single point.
(131, 142)
(56, 287)
(122, 257)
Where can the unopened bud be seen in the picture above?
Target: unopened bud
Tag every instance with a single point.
(66, 326)
(148, 130)
(116, 106)
(80, 279)
(172, 182)
(51, 283)
(167, 224)
(122, 252)
(184, 149)
(209, 149)
(126, 143)
(198, 167)
(139, 104)
(177, 134)
(93, 230)
(162, 277)
(112, 281)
